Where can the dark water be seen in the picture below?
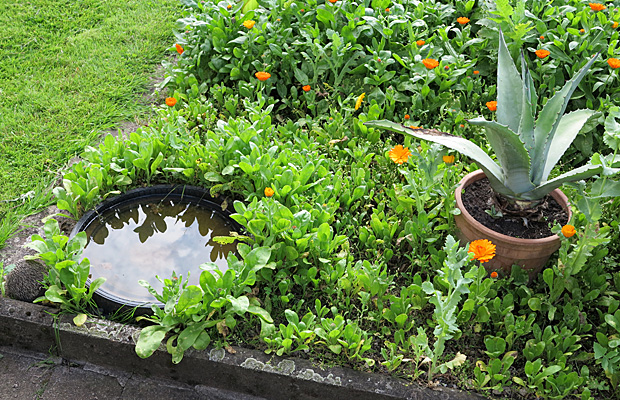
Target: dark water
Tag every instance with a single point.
(138, 242)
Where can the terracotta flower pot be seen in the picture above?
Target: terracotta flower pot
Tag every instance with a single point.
(530, 254)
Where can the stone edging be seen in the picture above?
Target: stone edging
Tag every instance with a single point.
(105, 343)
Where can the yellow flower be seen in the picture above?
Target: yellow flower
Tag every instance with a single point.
(462, 20)
(262, 76)
(171, 101)
(430, 63)
(492, 105)
(179, 48)
(269, 191)
(482, 249)
(399, 154)
(613, 62)
(568, 230)
(448, 159)
(359, 100)
(249, 23)
(597, 6)
(228, 7)
(542, 53)
(614, 25)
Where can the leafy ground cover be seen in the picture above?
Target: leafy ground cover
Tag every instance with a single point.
(348, 255)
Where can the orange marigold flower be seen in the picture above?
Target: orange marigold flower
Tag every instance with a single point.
(493, 274)
(179, 48)
(228, 7)
(476, 72)
(262, 76)
(306, 88)
(420, 42)
(171, 101)
(448, 159)
(415, 127)
(568, 230)
(542, 53)
(430, 63)
(333, 1)
(462, 20)
(358, 102)
(482, 249)
(492, 105)
(269, 191)
(249, 23)
(447, 67)
(542, 37)
(461, 126)
(387, 9)
(613, 62)
(407, 116)
(399, 154)
(614, 25)
(597, 6)
(582, 30)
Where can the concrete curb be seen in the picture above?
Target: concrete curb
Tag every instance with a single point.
(101, 342)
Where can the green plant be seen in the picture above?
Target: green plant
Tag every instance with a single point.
(4, 271)
(68, 272)
(190, 310)
(526, 152)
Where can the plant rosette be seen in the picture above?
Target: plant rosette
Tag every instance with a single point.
(530, 254)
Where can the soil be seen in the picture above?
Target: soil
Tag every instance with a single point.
(478, 197)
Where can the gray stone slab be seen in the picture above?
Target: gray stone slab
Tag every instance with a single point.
(26, 325)
(73, 382)
(23, 375)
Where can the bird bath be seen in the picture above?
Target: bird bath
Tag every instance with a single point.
(152, 232)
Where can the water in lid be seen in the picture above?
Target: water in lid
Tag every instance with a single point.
(139, 241)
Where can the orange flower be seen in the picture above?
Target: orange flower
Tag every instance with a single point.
(430, 63)
(262, 76)
(476, 72)
(492, 105)
(420, 42)
(597, 6)
(228, 7)
(306, 88)
(493, 274)
(179, 48)
(448, 159)
(568, 230)
(171, 101)
(542, 53)
(613, 62)
(447, 67)
(482, 249)
(415, 127)
(358, 102)
(333, 1)
(269, 191)
(582, 30)
(387, 10)
(462, 20)
(249, 24)
(407, 116)
(542, 38)
(614, 25)
(461, 126)
(399, 154)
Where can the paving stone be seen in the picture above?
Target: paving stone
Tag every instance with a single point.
(68, 382)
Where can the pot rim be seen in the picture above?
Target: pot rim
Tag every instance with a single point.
(474, 176)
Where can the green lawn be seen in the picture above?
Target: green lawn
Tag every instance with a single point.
(69, 69)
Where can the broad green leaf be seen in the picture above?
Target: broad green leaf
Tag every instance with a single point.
(191, 295)
(240, 304)
(80, 319)
(149, 340)
(189, 335)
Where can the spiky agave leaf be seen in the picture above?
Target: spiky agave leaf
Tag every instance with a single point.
(509, 89)
(547, 124)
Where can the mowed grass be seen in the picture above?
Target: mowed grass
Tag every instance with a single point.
(68, 70)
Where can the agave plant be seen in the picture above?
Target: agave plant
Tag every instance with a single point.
(526, 150)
